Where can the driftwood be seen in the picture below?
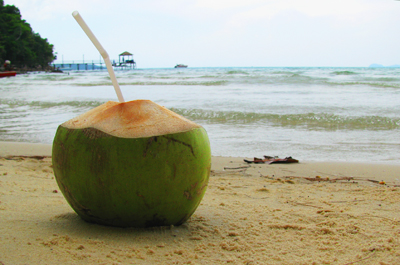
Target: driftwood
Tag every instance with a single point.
(318, 178)
(234, 168)
(272, 160)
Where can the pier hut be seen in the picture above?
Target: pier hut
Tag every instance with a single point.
(125, 61)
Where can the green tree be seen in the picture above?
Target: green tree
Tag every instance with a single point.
(18, 42)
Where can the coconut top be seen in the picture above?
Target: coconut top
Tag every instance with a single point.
(133, 119)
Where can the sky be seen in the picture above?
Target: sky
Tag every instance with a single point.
(223, 33)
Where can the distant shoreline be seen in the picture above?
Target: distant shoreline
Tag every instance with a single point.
(52, 69)
(375, 65)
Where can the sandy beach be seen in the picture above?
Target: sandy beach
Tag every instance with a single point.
(305, 213)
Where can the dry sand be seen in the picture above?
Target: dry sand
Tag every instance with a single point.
(257, 214)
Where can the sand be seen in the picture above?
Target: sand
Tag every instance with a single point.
(306, 213)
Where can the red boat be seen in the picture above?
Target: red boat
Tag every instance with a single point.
(9, 73)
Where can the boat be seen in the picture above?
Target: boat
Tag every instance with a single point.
(8, 73)
(181, 66)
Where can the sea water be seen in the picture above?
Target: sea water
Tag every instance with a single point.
(311, 114)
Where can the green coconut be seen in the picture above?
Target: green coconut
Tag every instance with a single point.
(132, 164)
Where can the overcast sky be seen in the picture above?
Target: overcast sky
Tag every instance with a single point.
(212, 33)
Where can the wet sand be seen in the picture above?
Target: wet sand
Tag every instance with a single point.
(305, 213)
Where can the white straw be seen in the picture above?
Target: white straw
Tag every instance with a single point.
(103, 53)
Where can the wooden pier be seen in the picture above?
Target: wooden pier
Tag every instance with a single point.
(125, 62)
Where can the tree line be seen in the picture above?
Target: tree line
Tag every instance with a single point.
(19, 43)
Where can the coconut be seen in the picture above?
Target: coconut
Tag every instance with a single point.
(132, 164)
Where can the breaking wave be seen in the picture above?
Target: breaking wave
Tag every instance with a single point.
(312, 121)
(159, 83)
(49, 104)
(344, 73)
(308, 120)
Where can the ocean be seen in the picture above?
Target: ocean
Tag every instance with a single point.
(311, 114)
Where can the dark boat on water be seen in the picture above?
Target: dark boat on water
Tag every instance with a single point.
(7, 73)
(181, 66)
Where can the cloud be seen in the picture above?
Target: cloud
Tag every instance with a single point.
(222, 32)
(41, 10)
(226, 4)
(334, 13)
(240, 10)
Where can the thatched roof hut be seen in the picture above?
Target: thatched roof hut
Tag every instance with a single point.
(128, 61)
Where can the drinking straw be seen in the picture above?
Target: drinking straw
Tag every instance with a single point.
(102, 51)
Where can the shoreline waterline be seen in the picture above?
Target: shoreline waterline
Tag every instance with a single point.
(37, 149)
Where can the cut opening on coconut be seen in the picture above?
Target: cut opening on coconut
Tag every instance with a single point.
(133, 119)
